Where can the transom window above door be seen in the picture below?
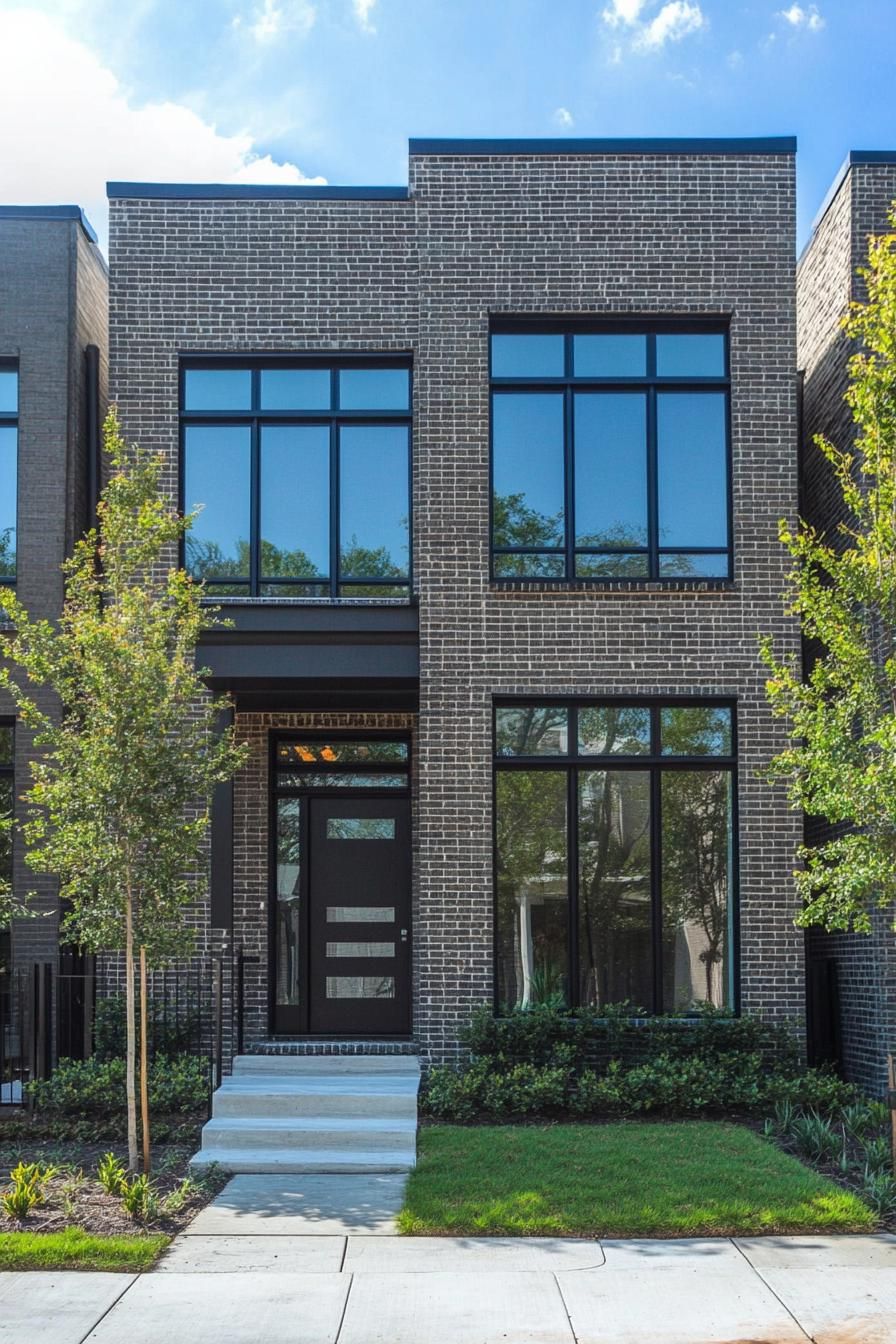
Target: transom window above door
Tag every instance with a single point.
(301, 472)
(610, 452)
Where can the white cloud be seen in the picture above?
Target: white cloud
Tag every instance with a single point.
(274, 19)
(363, 10)
(564, 117)
(798, 17)
(76, 128)
(735, 59)
(623, 12)
(673, 22)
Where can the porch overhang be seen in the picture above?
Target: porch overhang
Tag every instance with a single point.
(307, 656)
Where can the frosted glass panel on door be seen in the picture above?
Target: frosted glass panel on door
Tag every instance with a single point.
(360, 828)
(360, 949)
(360, 914)
(360, 986)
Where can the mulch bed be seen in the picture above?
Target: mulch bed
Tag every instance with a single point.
(75, 1198)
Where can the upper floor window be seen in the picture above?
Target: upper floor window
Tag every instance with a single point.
(9, 435)
(302, 469)
(610, 452)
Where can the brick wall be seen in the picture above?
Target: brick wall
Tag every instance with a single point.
(52, 303)
(569, 234)
(827, 281)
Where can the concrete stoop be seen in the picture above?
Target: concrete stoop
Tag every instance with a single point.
(321, 1113)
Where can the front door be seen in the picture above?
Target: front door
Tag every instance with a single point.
(360, 906)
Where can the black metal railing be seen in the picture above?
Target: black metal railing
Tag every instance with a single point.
(74, 1009)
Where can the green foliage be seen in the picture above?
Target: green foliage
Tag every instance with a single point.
(27, 1189)
(140, 1199)
(878, 1189)
(841, 761)
(111, 1174)
(96, 1087)
(165, 1036)
(76, 1249)
(813, 1089)
(543, 1034)
(815, 1136)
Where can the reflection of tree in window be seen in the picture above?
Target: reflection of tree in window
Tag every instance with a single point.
(696, 809)
(615, 924)
(7, 554)
(288, 900)
(206, 560)
(532, 886)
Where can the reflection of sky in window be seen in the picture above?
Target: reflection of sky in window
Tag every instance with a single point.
(217, 389)
(690, 355)
(217, 476)
(373, 389)
(295, 496)
(373, 484)
(528, 456)
(691, 469)
(8, 474)
(9, 391)
(610, 355)
(527, 356)
(611, 468)
(295, 389)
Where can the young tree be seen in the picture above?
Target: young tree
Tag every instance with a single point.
(841, 762)
(120, 795)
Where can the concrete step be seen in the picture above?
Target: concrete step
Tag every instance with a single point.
(323, 1065)
(283, 1161)
(347, 1095)
(313, 1132)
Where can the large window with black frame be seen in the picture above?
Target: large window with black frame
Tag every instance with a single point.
(9, 465)
(614, 830)
(610, 452)
(301, 472)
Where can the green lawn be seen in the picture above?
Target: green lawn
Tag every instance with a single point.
(76, 1249)
(668, 1179)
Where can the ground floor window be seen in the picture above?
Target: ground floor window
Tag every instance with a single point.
(614, 862)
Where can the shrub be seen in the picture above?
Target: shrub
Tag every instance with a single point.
(556, 1037)
(97, 1087)
(111, 1174)
(140, 1199)
(816, 1137)
(813, 1089)
(26, 1190)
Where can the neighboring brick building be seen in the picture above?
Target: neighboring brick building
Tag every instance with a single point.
(53, 342)
(588, 696)
(855, 971)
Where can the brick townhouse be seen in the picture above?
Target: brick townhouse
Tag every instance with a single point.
(491, 469)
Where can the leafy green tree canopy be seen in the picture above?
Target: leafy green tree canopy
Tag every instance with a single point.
(840, 765)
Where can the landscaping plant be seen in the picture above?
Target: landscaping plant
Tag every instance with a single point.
(111, 1174)
(119, 803)
(840, 765)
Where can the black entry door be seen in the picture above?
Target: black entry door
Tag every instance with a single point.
(360, 907)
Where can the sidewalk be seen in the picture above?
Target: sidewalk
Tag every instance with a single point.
(314, 1260)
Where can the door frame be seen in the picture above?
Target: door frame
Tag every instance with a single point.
(275, 735)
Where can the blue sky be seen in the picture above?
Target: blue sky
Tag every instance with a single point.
(294, 90)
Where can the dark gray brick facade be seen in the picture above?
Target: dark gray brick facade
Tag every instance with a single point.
(53, 303)
(827, 281)
(506, 233)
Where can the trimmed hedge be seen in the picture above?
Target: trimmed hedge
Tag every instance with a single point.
(96, 1086)
(545, 1062)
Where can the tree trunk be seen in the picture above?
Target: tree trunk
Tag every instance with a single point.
(130, 1026)
(144, 1076)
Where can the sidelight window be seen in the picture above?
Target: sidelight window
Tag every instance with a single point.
(9, 468)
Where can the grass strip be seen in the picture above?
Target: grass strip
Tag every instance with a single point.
(74, 1248)
(627, 1179)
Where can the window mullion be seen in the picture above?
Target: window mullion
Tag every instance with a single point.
(653, 564)
(255, 508)
(656, 899)
(572, 883)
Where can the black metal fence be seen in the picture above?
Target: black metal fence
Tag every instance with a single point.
(74, 1009)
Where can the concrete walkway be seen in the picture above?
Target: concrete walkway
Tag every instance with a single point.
(314, 1260)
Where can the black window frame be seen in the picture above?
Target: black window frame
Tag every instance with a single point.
(652, 383)
(573, 762)
(334, 418)
(11, 419)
